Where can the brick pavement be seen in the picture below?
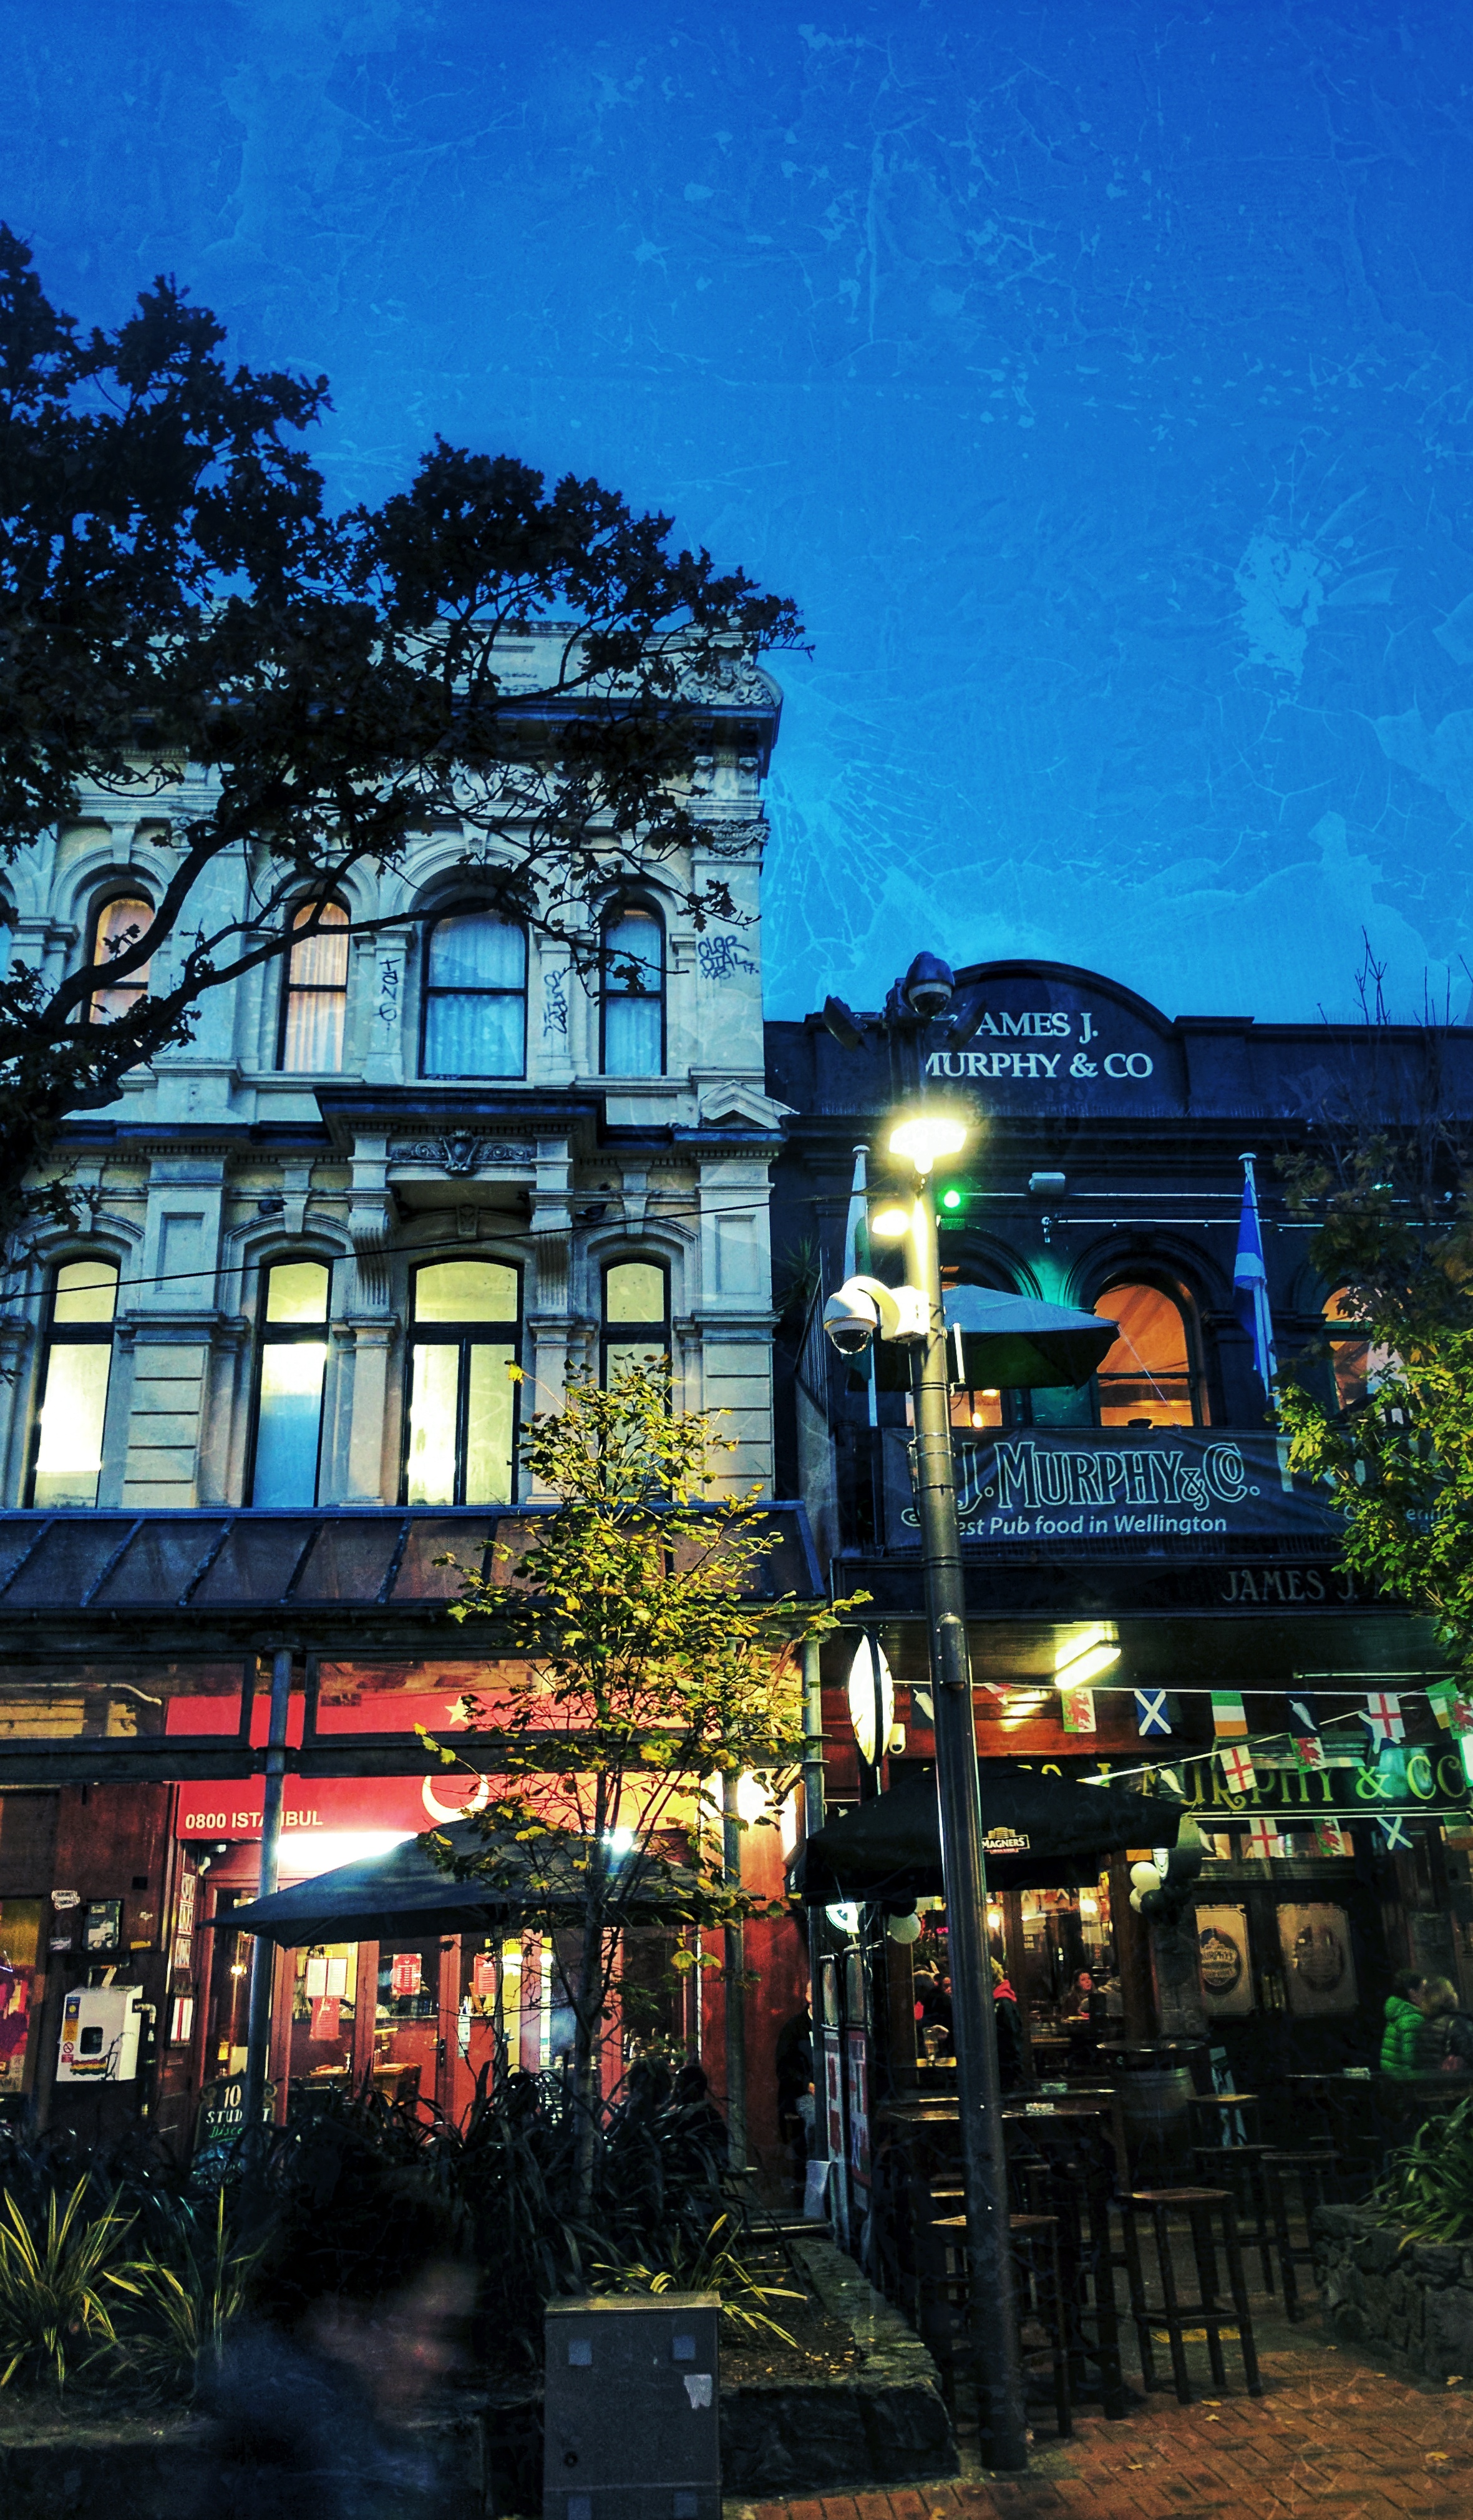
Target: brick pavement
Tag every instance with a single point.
(1333, 2436)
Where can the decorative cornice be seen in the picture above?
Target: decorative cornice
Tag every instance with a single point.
(460, 1152)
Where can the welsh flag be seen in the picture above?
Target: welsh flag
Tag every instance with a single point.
(1077, 1708)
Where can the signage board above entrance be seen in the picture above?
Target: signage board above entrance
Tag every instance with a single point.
(1070, 1035)
(1117, 1483)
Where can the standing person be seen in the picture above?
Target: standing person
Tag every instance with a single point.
(1449, 2025)
(1408, 2044)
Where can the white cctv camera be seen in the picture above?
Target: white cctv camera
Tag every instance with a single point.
(851, 1319)
(865, 1305)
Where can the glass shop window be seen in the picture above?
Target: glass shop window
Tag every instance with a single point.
(315, 999)
(74, 1376)
(636, 1314)
(1148, 1378)
(118, 924)
(476, 996)
(461, 1432)
(290, 1378)
(633, 993)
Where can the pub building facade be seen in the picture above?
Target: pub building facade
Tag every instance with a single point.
(265, 1387)
(1141, 1535)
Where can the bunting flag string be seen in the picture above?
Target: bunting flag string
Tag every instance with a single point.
(1330, 1838)
(1077, 1710)
(1151, 1711)
(1383, 1713)
(1263, 1842)
(1239, 1769)
(1229, 1721)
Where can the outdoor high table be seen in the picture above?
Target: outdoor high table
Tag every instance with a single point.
(1078, 2150)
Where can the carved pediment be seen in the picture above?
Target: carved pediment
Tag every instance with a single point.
(740, 1107)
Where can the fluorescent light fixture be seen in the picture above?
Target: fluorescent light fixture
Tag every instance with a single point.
(890, 1224)
(1086, 1667)
(923, 1136)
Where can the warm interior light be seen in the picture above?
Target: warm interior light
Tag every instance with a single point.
(925, 1135)
(890, 1224)
(991, 1395)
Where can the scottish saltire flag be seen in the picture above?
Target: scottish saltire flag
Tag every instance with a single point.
(1151, 1711)
(1250, 1281)
(1228, 1720)
(1393, 1827)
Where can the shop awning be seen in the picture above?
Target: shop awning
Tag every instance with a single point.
(1041, 1832)
(405, 1892)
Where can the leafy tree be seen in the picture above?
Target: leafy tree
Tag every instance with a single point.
(1391, 1427)
(646, 1656)
(174, 591)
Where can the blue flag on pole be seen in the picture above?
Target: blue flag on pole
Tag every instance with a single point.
(1250, 1281)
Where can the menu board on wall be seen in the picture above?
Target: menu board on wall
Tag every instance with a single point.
(1319, 1967)
(1224, 1963)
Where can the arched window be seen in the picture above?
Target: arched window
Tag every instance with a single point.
(315, 999)
(118, 924)
(289, 1374)
(1148, 1378)
(636, 1314)
(633, 993)
(462, 1428)
(476, 996)
(74, 1376)
(1358, 1366)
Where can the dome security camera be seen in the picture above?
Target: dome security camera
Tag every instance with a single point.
(851, 1319)
(928, 986)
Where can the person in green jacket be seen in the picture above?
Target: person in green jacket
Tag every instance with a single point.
(1408, 2040)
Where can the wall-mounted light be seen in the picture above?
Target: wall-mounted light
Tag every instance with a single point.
(1084, 1656)
(843, 1917)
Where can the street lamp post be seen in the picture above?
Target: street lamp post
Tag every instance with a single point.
(992, 2327)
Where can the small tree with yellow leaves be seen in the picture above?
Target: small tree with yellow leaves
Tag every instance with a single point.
(648, 1651)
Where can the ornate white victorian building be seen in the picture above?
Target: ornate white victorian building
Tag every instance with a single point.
(385, 1172)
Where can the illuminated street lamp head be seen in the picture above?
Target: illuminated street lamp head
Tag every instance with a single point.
(890, 1223)
(923, 1136)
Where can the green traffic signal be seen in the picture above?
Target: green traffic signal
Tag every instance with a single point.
(951, 1197)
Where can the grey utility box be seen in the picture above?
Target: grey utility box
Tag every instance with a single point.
(633, 2408)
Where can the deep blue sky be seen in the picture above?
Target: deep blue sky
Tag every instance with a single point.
(1095, 374)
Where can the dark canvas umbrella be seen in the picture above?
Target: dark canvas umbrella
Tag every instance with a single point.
(1045, 1833)
(405, 1891)
(1015, 1343)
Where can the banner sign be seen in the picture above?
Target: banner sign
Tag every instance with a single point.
(232, 1808)
(1417, 1782)
(1090, 1483)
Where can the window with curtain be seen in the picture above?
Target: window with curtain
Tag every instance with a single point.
(1147, 1379)
(633, 993)
(289, 1376)
(462, 1431)
(476, 996)
(636, 1314)
(118, 924)
(74, 1376)
(315, 999)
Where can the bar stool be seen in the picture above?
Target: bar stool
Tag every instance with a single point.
(1176, 2316)
(1062, 2164)
(1236, 2159)
(1038, 2297)
(1316, 2172)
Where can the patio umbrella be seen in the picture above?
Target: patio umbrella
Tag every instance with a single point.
(405, 1890)
(1038, 1833)
(1015, 1343)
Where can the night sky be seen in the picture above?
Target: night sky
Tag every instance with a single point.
(1096, 376)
